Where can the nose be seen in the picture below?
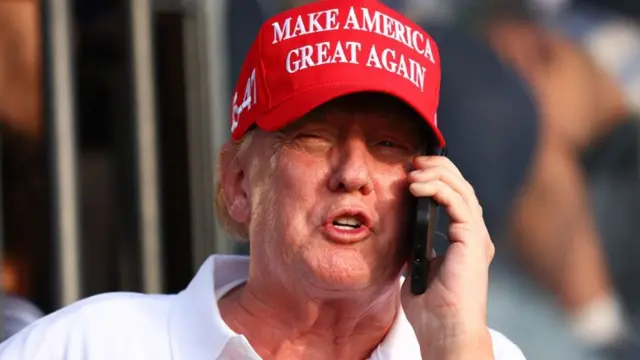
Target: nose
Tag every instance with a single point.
(351, 172)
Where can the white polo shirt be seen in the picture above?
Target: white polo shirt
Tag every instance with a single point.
(186, 326)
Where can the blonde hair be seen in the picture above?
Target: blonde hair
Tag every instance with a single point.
(229, 225)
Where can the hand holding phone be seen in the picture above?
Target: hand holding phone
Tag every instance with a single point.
(424, 230)
(461, 271)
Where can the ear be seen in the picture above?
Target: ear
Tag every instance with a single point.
(235, 185)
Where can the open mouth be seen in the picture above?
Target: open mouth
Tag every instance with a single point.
(348, 226)
(347, 222)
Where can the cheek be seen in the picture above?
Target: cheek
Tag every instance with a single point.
(297, 186)
(392, 187)
(301, 175)
(394, 200)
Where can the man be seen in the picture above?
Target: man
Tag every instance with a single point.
(334, 104)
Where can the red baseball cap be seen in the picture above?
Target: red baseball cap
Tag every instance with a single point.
(312, 54)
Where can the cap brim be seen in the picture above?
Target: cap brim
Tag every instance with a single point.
(305, 101)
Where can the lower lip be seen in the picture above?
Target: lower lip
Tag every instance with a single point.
(346, 236)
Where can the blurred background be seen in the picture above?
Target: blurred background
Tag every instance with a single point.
(112, 111)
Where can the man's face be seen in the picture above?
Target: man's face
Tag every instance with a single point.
(329, 195)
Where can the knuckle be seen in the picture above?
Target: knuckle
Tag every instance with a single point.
(470, 189)
(491, 250)
(440, 189)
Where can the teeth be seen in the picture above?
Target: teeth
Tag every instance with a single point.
(349, 221)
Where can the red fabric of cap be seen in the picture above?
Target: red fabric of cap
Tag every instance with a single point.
(307, 56)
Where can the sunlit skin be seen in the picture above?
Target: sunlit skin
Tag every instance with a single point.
(317, 290)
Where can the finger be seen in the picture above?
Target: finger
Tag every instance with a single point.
(442, 193)
(459, 184)
(445, 175)
(421, 162)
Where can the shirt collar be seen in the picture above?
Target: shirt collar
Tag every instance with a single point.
(197, 331)
(196, 328)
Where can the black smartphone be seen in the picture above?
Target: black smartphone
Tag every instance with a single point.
(424, 231)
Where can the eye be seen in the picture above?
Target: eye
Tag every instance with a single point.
(308, 136)
(393, 147)
(312, 140)
(311, 137)
(310, 132)
(388, 144)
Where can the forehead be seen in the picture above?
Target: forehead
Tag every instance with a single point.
(371, 108)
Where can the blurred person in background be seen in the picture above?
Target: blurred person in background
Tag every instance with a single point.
(21, 67)
(23, 165)
(582, 65)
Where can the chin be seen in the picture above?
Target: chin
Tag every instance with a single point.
(340, 269)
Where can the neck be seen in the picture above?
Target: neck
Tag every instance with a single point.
(280, 322)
